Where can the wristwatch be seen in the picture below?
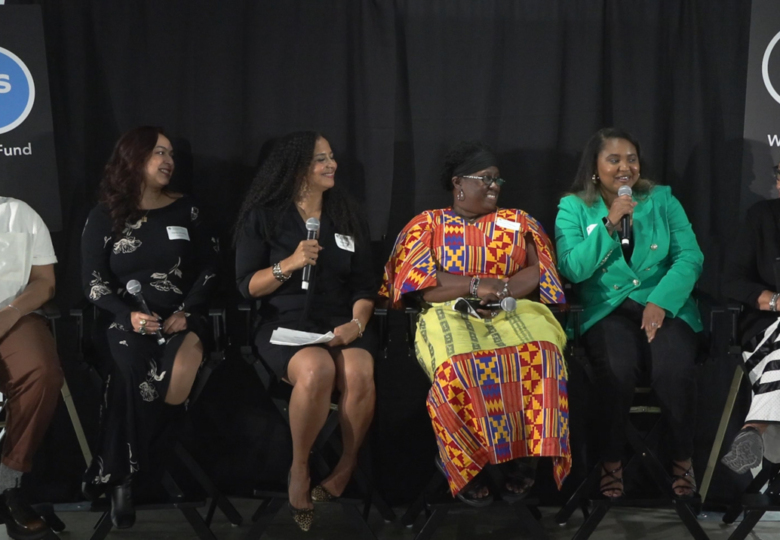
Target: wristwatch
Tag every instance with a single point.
(277, 271)
(610, 227)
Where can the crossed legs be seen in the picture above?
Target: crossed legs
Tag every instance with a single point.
(315, 373)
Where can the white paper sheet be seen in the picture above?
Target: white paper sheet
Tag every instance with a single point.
(296, 338)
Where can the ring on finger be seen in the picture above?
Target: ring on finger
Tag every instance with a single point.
(654, 324)
(142, 331)
(143, 322)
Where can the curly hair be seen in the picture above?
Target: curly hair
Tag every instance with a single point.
(120, 187)
(583, 186)
(474, 155)
(279, 179)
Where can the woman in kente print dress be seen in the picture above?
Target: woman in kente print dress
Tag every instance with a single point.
(142, 231)
(498, 381)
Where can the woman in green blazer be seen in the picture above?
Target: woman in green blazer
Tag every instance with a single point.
(638, 313)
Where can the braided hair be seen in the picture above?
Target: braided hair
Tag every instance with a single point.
(280, 178)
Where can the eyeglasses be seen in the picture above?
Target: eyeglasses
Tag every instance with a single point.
(488, 180)
(776, 170)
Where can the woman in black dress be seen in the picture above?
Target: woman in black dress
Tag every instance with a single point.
(296, 183)
(142, 231)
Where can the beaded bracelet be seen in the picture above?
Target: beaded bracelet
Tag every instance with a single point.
(474, 286)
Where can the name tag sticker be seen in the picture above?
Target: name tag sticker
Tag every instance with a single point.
(178, 233)
(590, 228)
(345, 242)
(505, 223)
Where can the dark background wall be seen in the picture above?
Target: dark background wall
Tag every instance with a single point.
(393, 84)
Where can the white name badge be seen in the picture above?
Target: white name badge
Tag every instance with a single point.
(505, 223)
(345, 242)
(178, 233)
(591, 227)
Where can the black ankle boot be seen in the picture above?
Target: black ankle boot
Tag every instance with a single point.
(122, 509)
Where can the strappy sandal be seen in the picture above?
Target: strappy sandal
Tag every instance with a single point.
(520, 475)
(614, 482)
(467, 495)
(686, 479)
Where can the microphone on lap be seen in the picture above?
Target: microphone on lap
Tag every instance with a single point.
(134, 288)
(465, 306)
(625, 234)
(312, 227)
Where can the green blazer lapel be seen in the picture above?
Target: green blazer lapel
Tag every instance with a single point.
(644, 232)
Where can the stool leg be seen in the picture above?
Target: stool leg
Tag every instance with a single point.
(688, 518)
(197, 524)
(419, 503)
(721, 433)
(754, 487)
(744, 528)
(76, 421)
(586, 529)
(102, 527)
(578, 496)
(433, 523)
(263, 517)
(533, 526)
(352, 514)
(203, 479)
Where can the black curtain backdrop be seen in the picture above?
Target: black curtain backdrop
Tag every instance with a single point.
(393, 84)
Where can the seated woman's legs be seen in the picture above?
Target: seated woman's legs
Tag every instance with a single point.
(674, 383)
(185, 369)
(614, 353)
(355, 383)
(312, 373)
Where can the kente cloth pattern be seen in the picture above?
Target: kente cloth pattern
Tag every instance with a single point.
(488, 407)
(498, 385)
(763, 366)
(493, 246)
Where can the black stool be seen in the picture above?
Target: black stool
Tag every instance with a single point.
(177, 499)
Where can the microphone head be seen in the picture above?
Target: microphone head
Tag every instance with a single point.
(133, 286)
(508, 304)
(312, 224)
(624, 190)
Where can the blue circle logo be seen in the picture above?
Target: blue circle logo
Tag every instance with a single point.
(17, 91)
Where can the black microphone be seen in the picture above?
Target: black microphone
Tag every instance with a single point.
(625, 234)
(134, 288)
(465, 305)
(312, 227)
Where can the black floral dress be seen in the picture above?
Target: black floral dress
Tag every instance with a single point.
(175, 257)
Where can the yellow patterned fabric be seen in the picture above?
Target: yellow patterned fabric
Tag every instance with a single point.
(498, 386)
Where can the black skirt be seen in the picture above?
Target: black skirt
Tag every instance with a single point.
(277, 357)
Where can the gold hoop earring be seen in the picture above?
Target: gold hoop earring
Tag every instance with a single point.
(461, 196)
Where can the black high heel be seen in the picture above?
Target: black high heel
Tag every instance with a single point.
(122, 509)
(303, 517)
